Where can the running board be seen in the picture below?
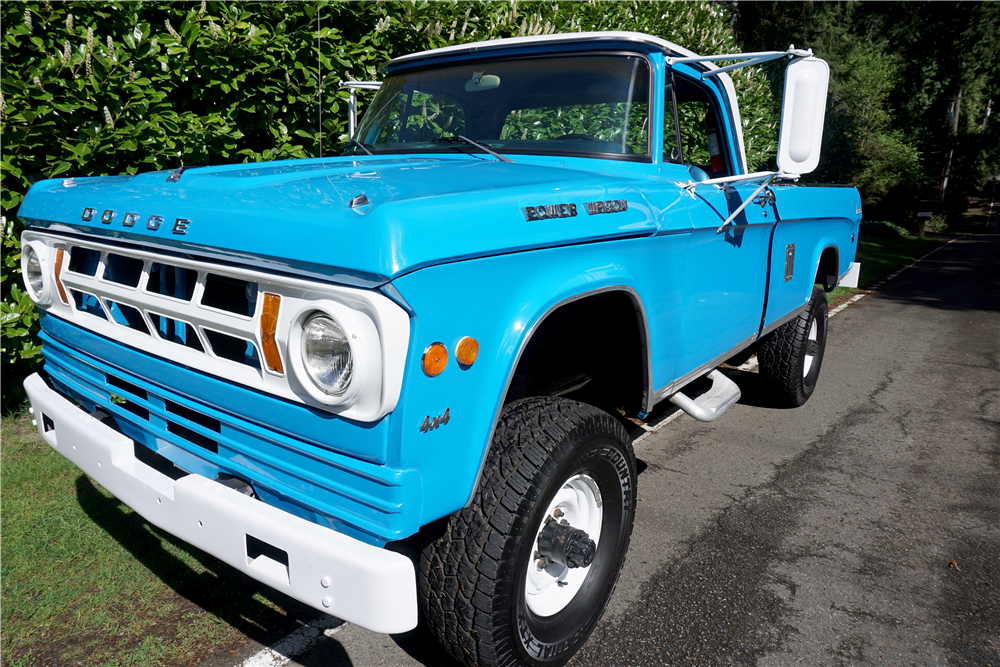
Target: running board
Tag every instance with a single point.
(712, 403)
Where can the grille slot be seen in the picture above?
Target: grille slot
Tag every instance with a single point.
(88, 303)
(234, 349)
(124, 391)
(84, 260)
(174, 281)
(176, 331)
(123, 270)
(230, 294)
(127, 316)
(191, 435)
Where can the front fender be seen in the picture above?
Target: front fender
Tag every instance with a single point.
(499, 301)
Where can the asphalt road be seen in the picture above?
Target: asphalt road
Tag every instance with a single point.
(859, 529)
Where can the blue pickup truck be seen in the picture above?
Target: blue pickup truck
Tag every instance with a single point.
(395, 383)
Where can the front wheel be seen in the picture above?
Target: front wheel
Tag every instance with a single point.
(791, 357)
(522, 575)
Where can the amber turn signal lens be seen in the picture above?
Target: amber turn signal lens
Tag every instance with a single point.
(268, 327)
(60, 256)
(435, 359)
(467, 351)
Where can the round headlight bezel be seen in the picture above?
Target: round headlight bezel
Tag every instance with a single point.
(42, 254)
(296, 355)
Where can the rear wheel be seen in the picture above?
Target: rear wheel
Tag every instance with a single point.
(790, 359)
(522, 575)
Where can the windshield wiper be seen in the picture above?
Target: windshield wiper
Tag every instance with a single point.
(451, 140)
(355, 142)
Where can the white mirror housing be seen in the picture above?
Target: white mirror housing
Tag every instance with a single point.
(802, 114)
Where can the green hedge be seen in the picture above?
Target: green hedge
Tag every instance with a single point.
(97, 88)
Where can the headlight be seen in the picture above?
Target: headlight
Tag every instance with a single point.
(326, 354)
(35, 268)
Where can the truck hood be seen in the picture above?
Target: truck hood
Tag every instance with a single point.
(297, 215)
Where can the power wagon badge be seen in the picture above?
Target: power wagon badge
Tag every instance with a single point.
(569, 210)
(153, 223)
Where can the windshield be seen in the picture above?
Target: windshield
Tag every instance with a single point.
(596, 106)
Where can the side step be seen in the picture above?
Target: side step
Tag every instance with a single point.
(712, 403)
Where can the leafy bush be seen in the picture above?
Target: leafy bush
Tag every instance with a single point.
(19, 347)
(938, 224)
(92, 89)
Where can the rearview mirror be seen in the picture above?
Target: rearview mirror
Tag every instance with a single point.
(480, 82)
(802, 113)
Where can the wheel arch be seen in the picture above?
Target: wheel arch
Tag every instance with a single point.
(828, 267)
(531, 333)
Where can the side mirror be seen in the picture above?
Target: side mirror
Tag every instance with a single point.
(802, 113)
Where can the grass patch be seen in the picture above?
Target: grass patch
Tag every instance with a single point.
(86, 581)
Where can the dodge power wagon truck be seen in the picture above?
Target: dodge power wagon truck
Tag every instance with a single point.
(395, 381)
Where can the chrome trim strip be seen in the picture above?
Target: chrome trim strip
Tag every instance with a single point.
(783, 320)
(679, 383)
(644, 343)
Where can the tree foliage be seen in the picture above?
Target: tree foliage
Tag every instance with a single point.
(116, 87)
(897, 71)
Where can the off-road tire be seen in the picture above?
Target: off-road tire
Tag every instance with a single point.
(473, 577)
(791, 357)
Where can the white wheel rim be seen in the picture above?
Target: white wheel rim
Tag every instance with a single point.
(548, 590)
(811, 338)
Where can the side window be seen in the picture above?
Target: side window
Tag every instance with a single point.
(702, 143)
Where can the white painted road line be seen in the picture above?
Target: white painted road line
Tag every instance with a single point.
(294, 644)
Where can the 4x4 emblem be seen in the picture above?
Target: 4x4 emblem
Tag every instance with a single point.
(431, 424)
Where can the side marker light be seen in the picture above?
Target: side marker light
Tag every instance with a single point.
(435, 359)
(467, 352)
(268, 327)
(60, 256)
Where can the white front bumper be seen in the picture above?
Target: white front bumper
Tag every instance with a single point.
(336, 574)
